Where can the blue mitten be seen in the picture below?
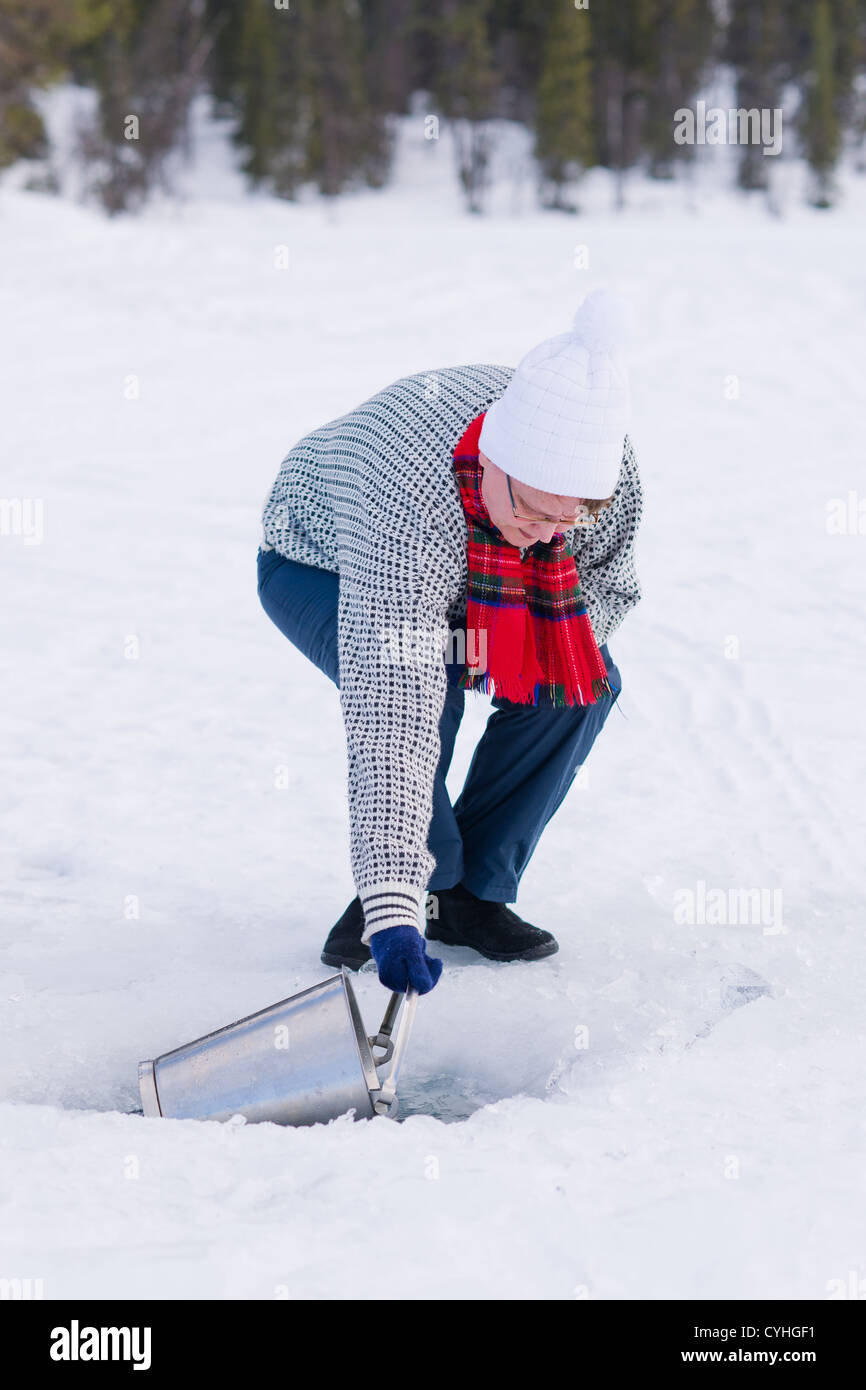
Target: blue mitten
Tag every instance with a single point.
(402, 960)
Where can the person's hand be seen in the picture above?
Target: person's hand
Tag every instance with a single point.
(401, 958)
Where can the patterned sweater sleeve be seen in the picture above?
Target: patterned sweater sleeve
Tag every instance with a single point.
(604, 553)
(398, 575)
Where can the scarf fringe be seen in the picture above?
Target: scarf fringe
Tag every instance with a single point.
(517, 693)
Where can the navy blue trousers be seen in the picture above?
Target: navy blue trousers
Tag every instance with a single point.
(522, 767)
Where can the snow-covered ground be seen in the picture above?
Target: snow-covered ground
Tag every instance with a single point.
(156, 883)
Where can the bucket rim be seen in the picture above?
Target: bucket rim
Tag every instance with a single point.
(248, 1018)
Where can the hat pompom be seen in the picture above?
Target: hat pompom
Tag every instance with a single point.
(604, 322)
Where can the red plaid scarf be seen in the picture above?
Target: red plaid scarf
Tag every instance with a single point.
(538, 644)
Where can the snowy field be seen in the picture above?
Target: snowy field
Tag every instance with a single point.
(603, 1124)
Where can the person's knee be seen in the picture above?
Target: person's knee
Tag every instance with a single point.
(302, 603)
(266, 562)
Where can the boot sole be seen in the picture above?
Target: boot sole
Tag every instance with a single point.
(350, 962)
(547, 948)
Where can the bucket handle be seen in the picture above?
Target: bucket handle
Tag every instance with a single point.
(383, 1037)
(385, 1099)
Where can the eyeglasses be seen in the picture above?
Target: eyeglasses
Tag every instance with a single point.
(583, 517)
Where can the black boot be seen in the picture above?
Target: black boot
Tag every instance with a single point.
(344, 945)
(491, 929)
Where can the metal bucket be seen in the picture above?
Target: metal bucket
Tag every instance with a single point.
(304, 1060)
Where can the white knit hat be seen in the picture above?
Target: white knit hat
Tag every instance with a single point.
(561, 422)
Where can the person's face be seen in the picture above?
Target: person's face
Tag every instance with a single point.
(528, 501)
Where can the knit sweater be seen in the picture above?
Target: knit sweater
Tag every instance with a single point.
(373, 497)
